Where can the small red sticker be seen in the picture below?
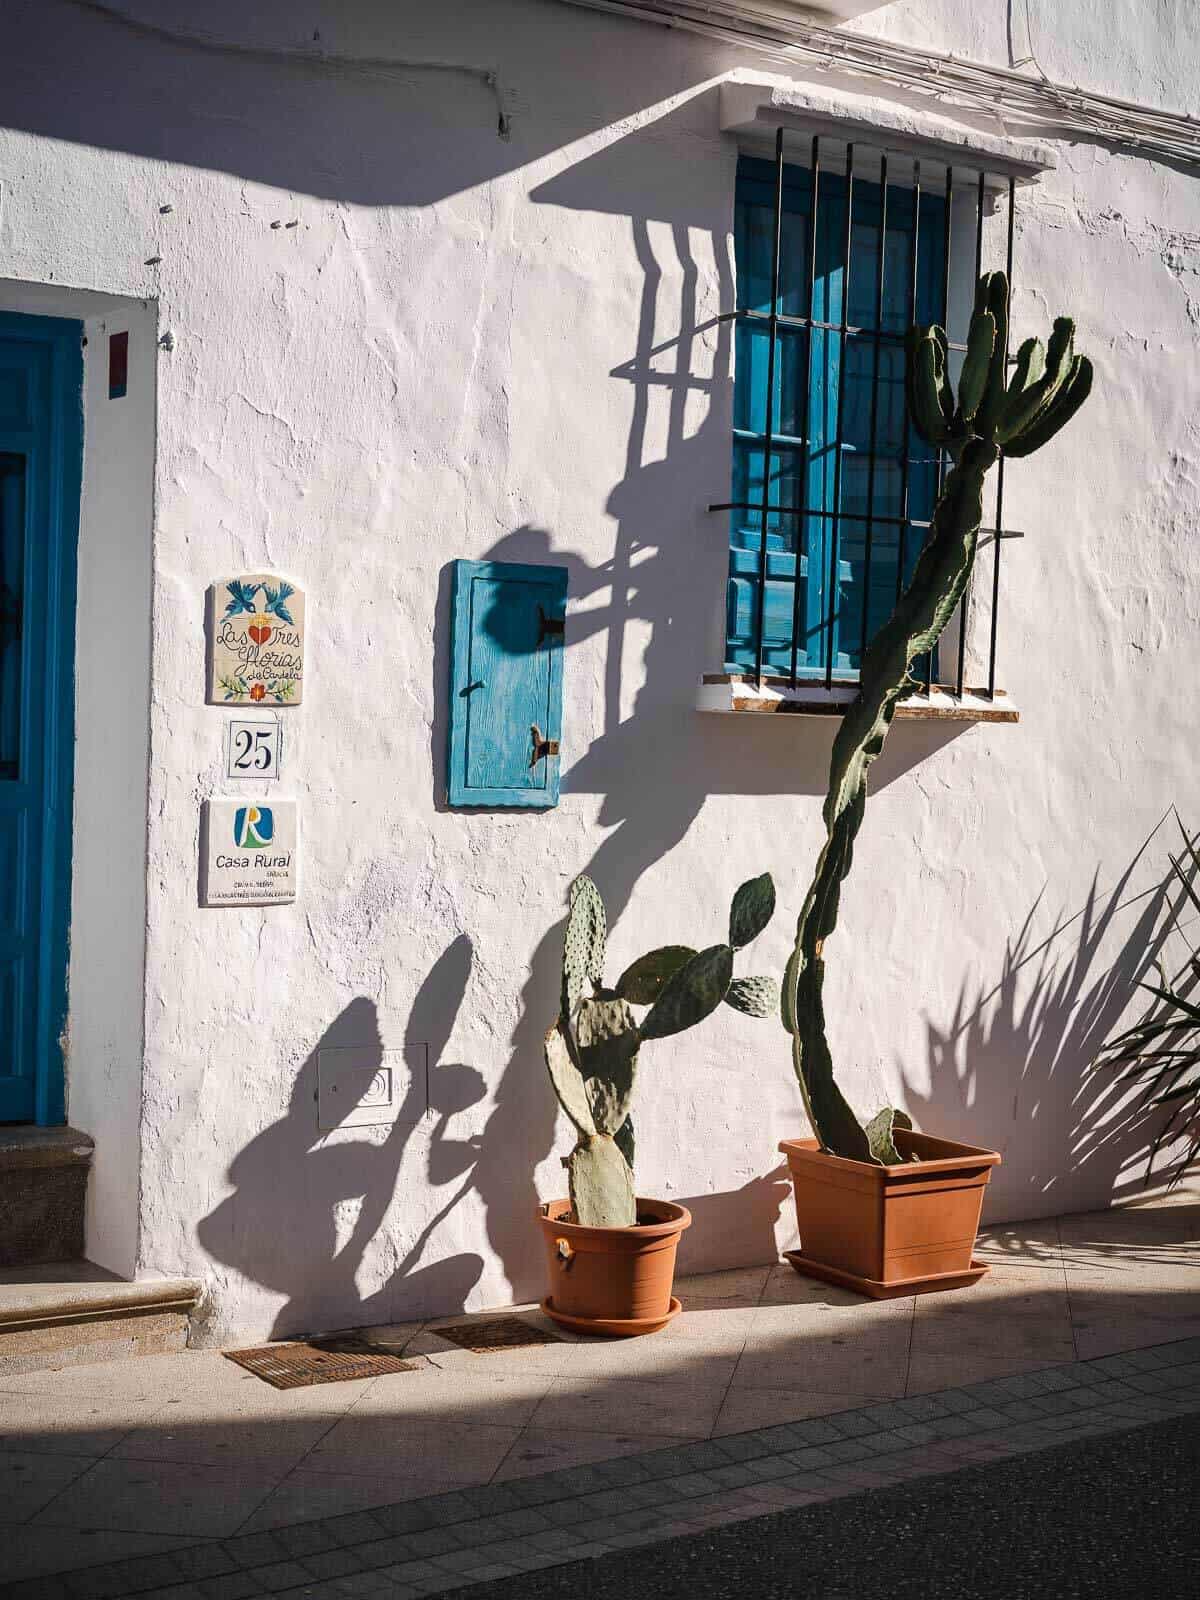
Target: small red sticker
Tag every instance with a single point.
(118, 365)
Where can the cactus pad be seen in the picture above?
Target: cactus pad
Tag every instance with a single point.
(642, 982)
(601, 1185)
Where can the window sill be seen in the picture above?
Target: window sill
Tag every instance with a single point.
(725, 694)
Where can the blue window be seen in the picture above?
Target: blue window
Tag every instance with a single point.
(863, 509)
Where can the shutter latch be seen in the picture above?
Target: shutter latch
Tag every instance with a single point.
(541, 747)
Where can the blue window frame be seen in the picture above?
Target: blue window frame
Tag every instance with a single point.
(847, 482)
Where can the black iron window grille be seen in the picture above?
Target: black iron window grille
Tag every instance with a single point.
(837, 256)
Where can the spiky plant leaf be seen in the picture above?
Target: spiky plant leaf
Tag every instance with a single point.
(568, 1080)
(606, 1046)
(879, 1133)
(691, 993)
(601, 1185)
(756, 997)
(583, 943)
(642, 981)
(753, 907)
(1055, 417)
(981, 344)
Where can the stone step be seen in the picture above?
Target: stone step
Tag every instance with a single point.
(43, 1193)
(74, 1313)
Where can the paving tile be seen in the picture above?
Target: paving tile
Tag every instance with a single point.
(480, 1395)
(275, 1438)
(451, 1452)
(161, 1497)
(741, 1286)
(933, 1369)
(81, 1426)
(649, 1408)
(539, 1450)
(29, 1480)
(34, 1552)
(864, 1368)
(745, 1408)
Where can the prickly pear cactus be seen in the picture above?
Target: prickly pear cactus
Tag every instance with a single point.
(989, 416)
(592, 1050)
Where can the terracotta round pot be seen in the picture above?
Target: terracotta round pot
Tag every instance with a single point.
(613, 1280)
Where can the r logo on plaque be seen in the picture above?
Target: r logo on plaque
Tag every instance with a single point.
(249, 853)
(257, 641)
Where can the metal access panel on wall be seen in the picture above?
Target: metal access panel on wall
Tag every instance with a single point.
(506, 684)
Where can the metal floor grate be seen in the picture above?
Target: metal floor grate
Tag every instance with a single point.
(496, 1333)
(295, 1366)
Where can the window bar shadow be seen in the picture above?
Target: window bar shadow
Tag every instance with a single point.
(991, 680)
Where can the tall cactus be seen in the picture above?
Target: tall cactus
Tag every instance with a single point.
(990, 416)
(592, 1050)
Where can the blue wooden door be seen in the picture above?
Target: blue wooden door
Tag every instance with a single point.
(41, 374)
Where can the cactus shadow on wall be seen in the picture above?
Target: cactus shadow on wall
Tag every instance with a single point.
(1011, 1065)
(655, 606)
(311, 1211)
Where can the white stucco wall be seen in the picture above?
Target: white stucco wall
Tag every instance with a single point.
(485, 348)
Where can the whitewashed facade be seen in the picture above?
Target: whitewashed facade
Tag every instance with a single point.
(369, 336)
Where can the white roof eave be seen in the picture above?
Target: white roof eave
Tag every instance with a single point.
(753, 105)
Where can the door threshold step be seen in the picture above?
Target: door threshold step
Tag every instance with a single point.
(73, 1313)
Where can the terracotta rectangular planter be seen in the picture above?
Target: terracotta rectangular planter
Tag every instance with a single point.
(890, 1230)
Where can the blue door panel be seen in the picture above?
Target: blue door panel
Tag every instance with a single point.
(506, 684)
(41, 375)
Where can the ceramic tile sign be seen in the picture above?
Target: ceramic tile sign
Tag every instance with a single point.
(250, 855)
(256, 649)
(253, 750)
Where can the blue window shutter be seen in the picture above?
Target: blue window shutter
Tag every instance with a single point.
(803, 472)
(505, 683)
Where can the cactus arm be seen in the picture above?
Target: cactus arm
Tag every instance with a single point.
(1070, 397)
(991, 298)
(938, 581)
(568, 1081)
(601, 1185)
(977, 364)
(1048, 386)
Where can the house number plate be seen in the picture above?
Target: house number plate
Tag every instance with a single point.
(254, 750)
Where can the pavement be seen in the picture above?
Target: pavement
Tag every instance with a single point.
(1111, 1516)
(186, 1478)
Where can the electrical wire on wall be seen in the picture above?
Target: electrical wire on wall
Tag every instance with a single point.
(1039, 105)
(378, 66)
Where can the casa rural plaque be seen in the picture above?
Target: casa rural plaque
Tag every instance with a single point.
(249, 853)
(256, 641)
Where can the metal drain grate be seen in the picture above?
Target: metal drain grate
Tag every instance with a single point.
(495, 1333)
(295, 1366)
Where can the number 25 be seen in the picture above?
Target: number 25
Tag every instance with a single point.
(253, 750)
